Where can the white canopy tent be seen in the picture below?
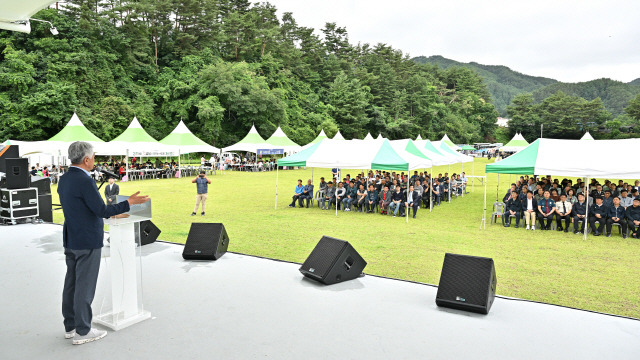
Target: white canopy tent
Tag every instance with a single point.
(279, 140)
(15, 15)
(183, 139)
(368, 137)
(586, 136)
(338, 136)
(516, 144)
(250, 143)
(135, 141)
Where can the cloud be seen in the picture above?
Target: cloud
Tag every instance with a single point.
(566, 40)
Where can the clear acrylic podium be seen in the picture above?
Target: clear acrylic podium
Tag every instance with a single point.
(120, 279)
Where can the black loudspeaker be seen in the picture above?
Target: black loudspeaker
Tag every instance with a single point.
(206, 241)
(149, 232)
(43, 184)
(467, 283)
(45, 207)
(333, 261)
(8, 151)
(17, 173)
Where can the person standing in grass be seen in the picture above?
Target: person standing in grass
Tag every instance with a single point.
(202, 188)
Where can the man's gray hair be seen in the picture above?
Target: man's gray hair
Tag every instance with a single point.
(79, 150)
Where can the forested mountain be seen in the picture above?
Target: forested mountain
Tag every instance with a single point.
(503, 83)
(221, 66)
(615, 95)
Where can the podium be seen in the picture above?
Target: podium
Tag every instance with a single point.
(120, 278)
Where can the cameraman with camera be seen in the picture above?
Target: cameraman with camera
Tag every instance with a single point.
(202, 188)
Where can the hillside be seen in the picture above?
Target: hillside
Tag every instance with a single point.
(502, 82)
(615, 95)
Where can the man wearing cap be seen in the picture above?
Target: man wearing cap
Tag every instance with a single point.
(597, 213)
(633, 218)
(579, 211)
(616, 215)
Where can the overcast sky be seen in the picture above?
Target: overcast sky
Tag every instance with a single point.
(569, 41)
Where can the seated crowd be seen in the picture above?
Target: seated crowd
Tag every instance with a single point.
(545, 200)
(380, 191)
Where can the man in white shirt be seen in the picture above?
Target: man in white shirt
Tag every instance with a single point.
(529, 206)
(563, 212)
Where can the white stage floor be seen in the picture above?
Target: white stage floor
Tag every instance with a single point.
(243, 307)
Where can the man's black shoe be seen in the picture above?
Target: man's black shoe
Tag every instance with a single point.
(608, 234)
(596, 233)
(560, 228)
(414, 216)
(292, 206)
(507, 225)
(566, 230)
(193, 214)
(517, 226)
(624, 236)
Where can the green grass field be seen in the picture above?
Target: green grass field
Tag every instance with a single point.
(598, 274)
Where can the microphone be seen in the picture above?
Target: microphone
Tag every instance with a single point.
(109, 174)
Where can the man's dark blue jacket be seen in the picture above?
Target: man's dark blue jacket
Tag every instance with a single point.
(84, 210)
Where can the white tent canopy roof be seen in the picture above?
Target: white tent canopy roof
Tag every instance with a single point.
(186, 142)
(368, 137)
(135, 141)
(338, 136)
(15, 15)
(586, 136)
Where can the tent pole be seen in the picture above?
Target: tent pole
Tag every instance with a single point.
(586, 213)
(498, 189)
(179, 164)
(473, 174)
(484, 215)
(449, 192)
(461, 174)
(276, 186)
(126, 164)
(431, 188)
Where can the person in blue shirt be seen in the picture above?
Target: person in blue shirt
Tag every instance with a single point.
(546, 210)
(297, 193)
(616, 215)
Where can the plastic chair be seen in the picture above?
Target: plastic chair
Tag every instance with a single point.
(497, 211)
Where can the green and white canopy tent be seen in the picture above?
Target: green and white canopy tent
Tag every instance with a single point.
(250, 143)
(549, 157)
(445, 139)
(586, 136)
(58, 145)
(467, 148)
(446, 150)
(279, 140)
(380, 137)
(135, 141)
(419, 138)
(318, 138)
(186, 143)
(368, 136)
(338, 136)
(516, 144)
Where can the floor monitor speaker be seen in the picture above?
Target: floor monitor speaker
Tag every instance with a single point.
(467, 283)
(333, 261)
(17, 173)
(206, 241)
(149, 232)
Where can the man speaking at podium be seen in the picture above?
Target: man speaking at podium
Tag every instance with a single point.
(83, 234)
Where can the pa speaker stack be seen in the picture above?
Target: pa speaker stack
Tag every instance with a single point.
(6, 152)
(467, 283)
(333, 261)
(206, 241)
(17, 173)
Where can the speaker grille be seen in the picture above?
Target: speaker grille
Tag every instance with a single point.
(323, 255)
(465, 279)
